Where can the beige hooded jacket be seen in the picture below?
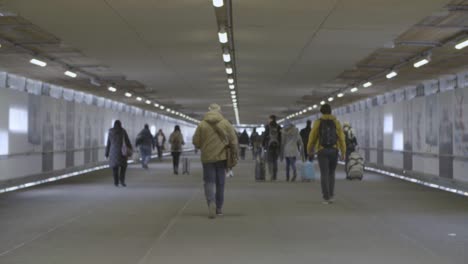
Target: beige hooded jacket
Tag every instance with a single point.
(212, 147)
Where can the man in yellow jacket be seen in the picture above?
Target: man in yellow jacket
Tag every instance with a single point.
(212, 136)
(326, 138)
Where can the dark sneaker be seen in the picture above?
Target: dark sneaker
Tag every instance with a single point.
(123, 184)
(211, 211)
(219, 212)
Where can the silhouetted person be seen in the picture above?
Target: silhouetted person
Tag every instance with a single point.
(145, 142)
(177, 141)
(272, 143)
(305, 133)
(244, 143)
(160, 140)
(117, 136)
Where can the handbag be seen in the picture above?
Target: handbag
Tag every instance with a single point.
(126, 151)
(231, 152)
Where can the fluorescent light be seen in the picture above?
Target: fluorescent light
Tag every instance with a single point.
(222, 35)
(233, 96)
(112, 89)
(322, 103)
(367, 84)
(230, 80)
(315, 106)
(71, 74)
(229, 70)
(139, 99)
(148, 102)
(161, 107)
(128, 94)
(340, 95)
(168, 110)
(355, 89)
(232, 86)
(218, 3)
(226, 57)
(233, 92)
(38, 62)
(156, 105)
(421, 63)
(462, 45)
(330, 99)
(310, 108)
(391, 74)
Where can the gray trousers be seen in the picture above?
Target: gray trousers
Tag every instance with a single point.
(272, 159)
(214, 177)
(328, 160)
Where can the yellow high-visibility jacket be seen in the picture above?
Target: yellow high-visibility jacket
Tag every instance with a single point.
(314, 142)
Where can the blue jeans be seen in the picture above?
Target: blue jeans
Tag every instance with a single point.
(214, 177)
(291, 163)
(145, 152)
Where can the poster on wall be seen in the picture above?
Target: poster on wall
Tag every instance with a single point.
(446, 135)
(461, 122)
(432, 123)
(419, 132)
(380, 136)
(34, 119)
(48, 139)
(408, 136)
(70, 135)
(367, 130)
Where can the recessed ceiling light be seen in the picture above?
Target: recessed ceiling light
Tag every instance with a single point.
(230, 80)
(168, 110)
(461, 45)
(421, 63)
(310, 108)
(139, 99)
(161, 107)
(229, 70)
(330, 99)
(322, 103)
(340, 95)
(391, 74)
(222, 35)
(233, 92)
(355, 89)
(315, 106)
(38, 62)
(232, 86)
(367, 84)
(218, 3)
(148, 102)
(71, 74)
(112, 89)
(226, 57)
(128, 94)
(156, 105)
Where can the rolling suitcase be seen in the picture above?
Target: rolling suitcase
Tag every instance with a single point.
(355, 168)
(185, 166)
(308, 171)
(260, 170)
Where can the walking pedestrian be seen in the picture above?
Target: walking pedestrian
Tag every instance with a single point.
(118, 150)
(145, 142)
(176, 140)
(291, 146)
(272, 143)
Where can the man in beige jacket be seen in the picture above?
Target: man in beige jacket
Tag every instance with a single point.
(212, 137)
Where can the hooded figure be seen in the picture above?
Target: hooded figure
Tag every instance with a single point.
(212, 137)
(244, 142)
(291, 147)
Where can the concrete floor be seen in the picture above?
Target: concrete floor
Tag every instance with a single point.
(161, 218)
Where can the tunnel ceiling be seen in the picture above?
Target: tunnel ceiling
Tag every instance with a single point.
(289, 54)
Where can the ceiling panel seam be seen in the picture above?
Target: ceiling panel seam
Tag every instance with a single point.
(148, 45)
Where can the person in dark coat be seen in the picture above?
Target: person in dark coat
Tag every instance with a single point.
(272, 143)
(160, 140)
(305, 132)
(145, 142)
(244, 143)
(116, 137)
(176, 139)
(255, 138)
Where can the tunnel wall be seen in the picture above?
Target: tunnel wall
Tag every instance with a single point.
(419, 130)
(46, 128)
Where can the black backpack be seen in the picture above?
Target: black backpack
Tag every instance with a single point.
(327, 133)
(273, 140)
